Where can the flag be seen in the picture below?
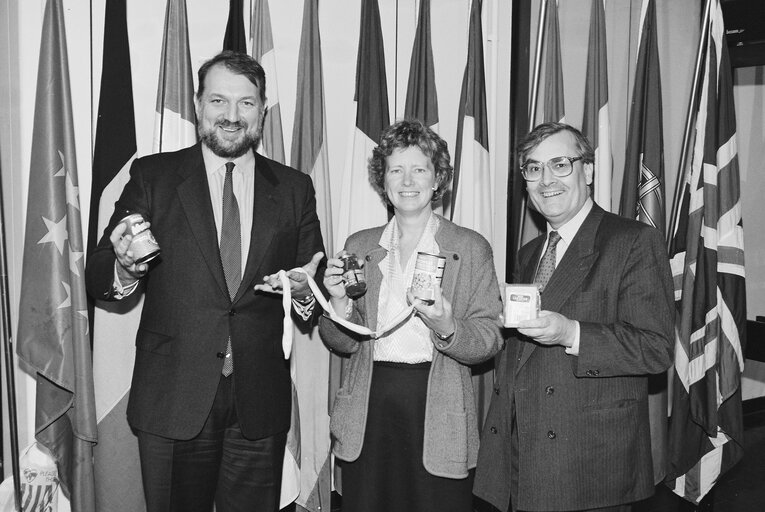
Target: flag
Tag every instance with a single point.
(596, 125)
(263, 51)
(706, 427)
(115, 323)
(174, 120)
(554, 108)
(361, 207)
(272, 146)
(643, 183)
(309, 356)
(471, 197)
(421, 97)
(235, 38)
(53, 311)
(643, 193)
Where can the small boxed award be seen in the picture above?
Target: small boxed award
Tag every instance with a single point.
(522, 302)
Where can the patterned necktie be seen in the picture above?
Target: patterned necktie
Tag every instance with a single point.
(547, 263)
(230, 251)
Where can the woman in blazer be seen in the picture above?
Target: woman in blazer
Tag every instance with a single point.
(404, 421)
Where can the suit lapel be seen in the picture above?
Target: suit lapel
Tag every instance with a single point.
(569, 274)
(266, 211)
(194, 196)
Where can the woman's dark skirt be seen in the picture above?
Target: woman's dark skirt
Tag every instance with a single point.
(389, 475)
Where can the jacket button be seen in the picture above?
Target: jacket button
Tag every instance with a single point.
(493, 430)
(368, 258)
(455, 257)
(231, 312)
(220, 355)
(549, 390)
(551, 434)
(496, 391)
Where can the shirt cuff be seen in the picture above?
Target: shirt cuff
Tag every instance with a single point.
(573, 350)
(304, 309)
(119, 291)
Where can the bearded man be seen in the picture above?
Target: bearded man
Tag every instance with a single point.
(211, 394)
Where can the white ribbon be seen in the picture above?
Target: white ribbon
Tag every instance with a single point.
(359, 329)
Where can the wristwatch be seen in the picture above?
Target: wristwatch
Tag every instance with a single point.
(304, 301)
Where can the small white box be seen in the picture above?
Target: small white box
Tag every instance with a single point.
(522, 302)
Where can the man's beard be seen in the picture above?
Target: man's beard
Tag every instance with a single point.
(230, 149)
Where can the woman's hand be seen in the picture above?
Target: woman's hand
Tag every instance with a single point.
(333, 282)
(437, 316)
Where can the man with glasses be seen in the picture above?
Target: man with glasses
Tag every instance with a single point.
(568, 424)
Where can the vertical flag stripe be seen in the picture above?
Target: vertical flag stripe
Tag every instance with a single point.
(261, 35)
(115, 139)
(642, 195)
(361, 207)
(596, 125)
(554, 108)
(235, 38)
(309, 132)
(421, 96)
(115, 324)
(472, 200)
(471, 189)
(706, 431)
(372, 114)
(53, 310)
(174, 121)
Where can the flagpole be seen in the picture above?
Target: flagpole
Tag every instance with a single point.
(532, 108)
(10, 377)
(689, 122)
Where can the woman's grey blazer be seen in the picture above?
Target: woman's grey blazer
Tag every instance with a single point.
(450, 447)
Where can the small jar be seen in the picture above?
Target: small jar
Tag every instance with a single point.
(353, 276)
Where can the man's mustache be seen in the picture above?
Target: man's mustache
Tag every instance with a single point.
(232, 124)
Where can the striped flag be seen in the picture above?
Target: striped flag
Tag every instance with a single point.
(643, 183)
(174, 121)
(596, 125)
(706, 431)
(421, 97)
(309, 132)
(471, 198)
(272, 144)
(361, 207)
(115, 323)
(53, 311)
(309, 356)
(554, 108)
(643, 193)
(235, 38)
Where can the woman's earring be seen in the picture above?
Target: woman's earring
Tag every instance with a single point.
(434, 189)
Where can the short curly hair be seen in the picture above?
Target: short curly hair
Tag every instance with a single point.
(405, 134)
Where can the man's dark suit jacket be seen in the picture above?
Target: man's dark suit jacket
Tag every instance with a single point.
(583, 430)
(187, 314)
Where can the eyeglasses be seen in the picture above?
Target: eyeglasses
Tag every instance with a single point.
(560, 166)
